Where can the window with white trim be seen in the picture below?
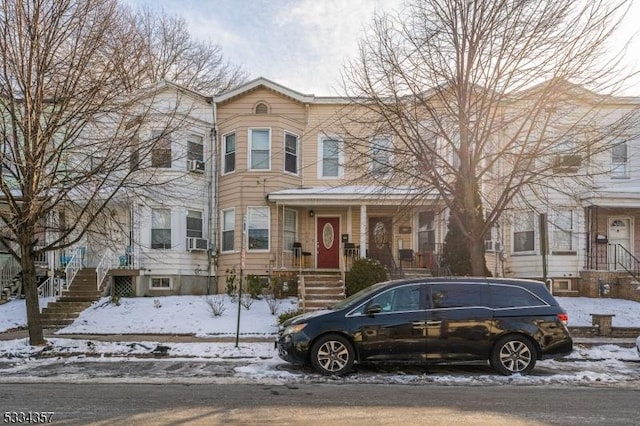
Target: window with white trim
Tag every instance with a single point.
(194, 224)
(260, 153)
(290, 228)
(562, 231)
(228, 228)
(160, 283)
(290, 153)
(258, 228)
(229, 153)
(330, 158)
(620, 160)
(161, 150)
(524, 232)
(380, 155)
(195, 148)
(160, 228)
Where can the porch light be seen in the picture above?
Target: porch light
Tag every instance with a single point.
(311, 213)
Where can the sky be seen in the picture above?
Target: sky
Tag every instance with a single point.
(301, 44)
(257, 361)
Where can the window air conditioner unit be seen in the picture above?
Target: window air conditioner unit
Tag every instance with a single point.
(195, 166)
(197, 244)
(492, 246)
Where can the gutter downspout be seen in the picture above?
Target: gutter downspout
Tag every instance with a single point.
(212, 187)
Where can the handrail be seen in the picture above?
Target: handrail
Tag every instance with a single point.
(10, 269)
(103, 267)
(49, 291)
(74, 265)
(626, 259)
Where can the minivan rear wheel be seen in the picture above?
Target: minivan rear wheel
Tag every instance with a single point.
(332, 355)
(513, 355)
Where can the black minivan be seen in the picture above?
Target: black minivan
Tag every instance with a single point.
(509, 322)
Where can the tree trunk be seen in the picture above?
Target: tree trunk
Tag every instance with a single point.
(36, 335)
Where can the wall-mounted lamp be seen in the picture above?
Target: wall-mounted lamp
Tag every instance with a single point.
(312, 213)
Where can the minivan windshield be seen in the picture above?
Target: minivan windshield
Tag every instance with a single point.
(357, 297)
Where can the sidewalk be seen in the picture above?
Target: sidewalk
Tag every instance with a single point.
(190, 338)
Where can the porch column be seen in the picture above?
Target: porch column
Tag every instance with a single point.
(363, 230)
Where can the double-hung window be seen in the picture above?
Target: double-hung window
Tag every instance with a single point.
(290, 227)
(562, 231)
(258, 228)
(195, 148)
(380, 155)
(290, 153)
(228, 227)
(160, 229)
(260, 155)
(619, 160)
(229, 153)
(524, 232)
(330, 158)
(194, 224)
(161, 151)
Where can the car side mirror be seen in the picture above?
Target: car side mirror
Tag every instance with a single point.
(374, 309)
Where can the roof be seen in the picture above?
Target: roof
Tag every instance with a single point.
(264, 83)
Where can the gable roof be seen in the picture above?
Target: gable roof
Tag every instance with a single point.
(262, 82)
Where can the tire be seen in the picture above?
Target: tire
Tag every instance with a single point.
(332, 355)
(513, 355)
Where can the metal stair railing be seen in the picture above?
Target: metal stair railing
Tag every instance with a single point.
(10, 269)
(49, 291)
(105, 264)
(625, 259)
(73, 266)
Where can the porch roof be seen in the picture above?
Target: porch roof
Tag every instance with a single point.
(352, 195)
(624, 197)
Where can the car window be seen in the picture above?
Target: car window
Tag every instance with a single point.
(399, 299)
(454, 295)
(503, 296)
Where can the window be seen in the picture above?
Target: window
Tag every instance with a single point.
(400, 299)
(262, 108)
(290, 153)
(330, 158)
(259, 158)
(229, 150)
(492, 239)
(457, 295)
(134, 156)
(566, 160)
(290, 227)
(426, 232)
(160, 228)
(258, 228)
(228, 226)
(562, 231)
(380, 155)
(512, 297)
(195, 148)
(524, 232)
(194, 224)
(619, 161)
(161, 283)
(161, 151)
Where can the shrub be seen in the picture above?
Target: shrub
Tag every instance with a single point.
(254, 286)
(246, 301)
(272, 301)
(231, 287)
(216, 304)
(363, 273)
(289, 314)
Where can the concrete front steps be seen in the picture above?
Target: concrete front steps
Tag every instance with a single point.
(321, 291)
(80, 295)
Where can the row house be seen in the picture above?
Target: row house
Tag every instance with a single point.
(260, 183)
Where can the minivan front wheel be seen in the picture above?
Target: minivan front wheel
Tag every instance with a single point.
(513, 355)
(332, 355)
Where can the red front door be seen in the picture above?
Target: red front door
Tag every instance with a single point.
(328, 238)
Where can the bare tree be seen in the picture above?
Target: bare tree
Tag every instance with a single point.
(171, 53)
(70, 126)
(484, 94)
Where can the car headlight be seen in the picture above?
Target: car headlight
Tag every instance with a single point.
(292, 329)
